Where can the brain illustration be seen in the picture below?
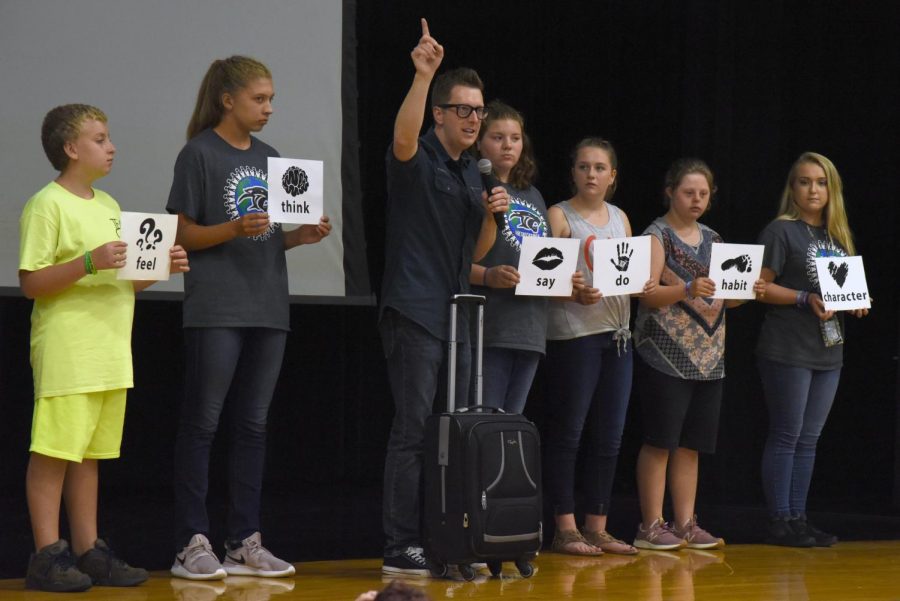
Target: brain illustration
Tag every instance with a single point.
(294, 181)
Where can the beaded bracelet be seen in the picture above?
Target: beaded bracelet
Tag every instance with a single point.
(802, 298)
(687, 289)
(89, 264)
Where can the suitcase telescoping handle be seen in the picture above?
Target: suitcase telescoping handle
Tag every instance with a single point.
(457, 300)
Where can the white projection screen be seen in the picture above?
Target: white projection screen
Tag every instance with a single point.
(142, 63)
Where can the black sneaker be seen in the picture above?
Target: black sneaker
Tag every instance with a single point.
(411, 562)
(782, 532)
(822, 539)
(105, 569)
(52, 569)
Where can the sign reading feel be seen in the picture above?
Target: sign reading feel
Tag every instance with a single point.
(149, 237)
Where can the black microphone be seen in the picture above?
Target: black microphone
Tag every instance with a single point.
(490, 182)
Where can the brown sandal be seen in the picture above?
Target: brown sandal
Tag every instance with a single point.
(566, 541)
(609, 543)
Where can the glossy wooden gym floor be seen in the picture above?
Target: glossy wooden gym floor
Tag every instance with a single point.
(849, 571)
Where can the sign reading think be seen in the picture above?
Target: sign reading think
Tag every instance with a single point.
(735, 268)
(546, 266)
(842, 282)
(621, 265)
(149, 237)
(295, 190)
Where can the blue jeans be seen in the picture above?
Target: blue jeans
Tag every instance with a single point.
(589, 388)
(414, 359)
(241, 364)
(799, 400)
(508, 374)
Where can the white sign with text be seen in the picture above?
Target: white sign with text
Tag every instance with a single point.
(296, 192)
(735, 268)
(149, 237)
(842, 282)
(546, 266)
(621, 265)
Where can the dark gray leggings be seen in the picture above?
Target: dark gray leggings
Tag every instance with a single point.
(242, 365)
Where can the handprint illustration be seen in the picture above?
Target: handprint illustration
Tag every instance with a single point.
(624, 256)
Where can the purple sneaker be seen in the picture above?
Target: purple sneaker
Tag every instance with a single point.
(658, 537)
(696, 537)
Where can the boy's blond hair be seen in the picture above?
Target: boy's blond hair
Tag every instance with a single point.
(63, 124)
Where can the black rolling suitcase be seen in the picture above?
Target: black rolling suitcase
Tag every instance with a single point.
(482, 478)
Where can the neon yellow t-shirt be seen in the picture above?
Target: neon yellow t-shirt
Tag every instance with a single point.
(81, 337)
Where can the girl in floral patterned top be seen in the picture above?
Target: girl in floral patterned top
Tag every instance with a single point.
(680, 336)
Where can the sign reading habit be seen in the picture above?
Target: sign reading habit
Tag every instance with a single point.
(735, 268)
(842, 282)
(149, 237)
(621, 265)
(295, 190)
(546, 266)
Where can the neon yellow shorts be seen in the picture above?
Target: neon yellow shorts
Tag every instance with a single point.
(79, 426)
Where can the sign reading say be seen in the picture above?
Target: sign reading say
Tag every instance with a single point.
(295, 190)
(621, 265)
(842, 282)
(735, 268)
(546, 266)
(149, 237)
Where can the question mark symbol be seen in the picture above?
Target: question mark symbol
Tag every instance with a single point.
(148, 226)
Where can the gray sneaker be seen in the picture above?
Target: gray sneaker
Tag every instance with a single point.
(53, 569)
(658, 537)
(197, 561)
(105, 569)
(696, 537)
(252, 559)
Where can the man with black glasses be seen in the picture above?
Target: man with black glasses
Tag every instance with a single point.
(436, 209)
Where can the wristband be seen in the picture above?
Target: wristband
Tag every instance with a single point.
(484, 277)
(687, 289)
(89, 264)
(802, 298)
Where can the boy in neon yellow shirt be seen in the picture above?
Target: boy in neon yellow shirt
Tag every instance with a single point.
(80, 349)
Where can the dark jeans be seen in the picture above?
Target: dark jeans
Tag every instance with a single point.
(241, 364)
(589, 388)
(799, 400)
(508, 374)
(414, 359)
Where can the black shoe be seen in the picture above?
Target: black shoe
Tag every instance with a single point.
(53, 569)
(783, 532)
(411, 562)
(822, 539)
(105, 569)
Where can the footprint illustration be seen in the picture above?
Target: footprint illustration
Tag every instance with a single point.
(741, 263)
(838, 272)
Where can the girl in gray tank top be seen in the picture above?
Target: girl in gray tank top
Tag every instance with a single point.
(589, 363)
(572, 319)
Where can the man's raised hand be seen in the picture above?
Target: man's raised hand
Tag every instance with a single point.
(428, 54)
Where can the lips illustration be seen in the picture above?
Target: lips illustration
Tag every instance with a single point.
(547, 258)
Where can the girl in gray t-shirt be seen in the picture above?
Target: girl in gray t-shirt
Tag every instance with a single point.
(515, 327)
(236, 315)
(800, 348)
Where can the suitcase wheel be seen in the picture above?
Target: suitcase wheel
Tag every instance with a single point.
(467, 572)
(525, 568)
(438, 569)
(496, 567)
